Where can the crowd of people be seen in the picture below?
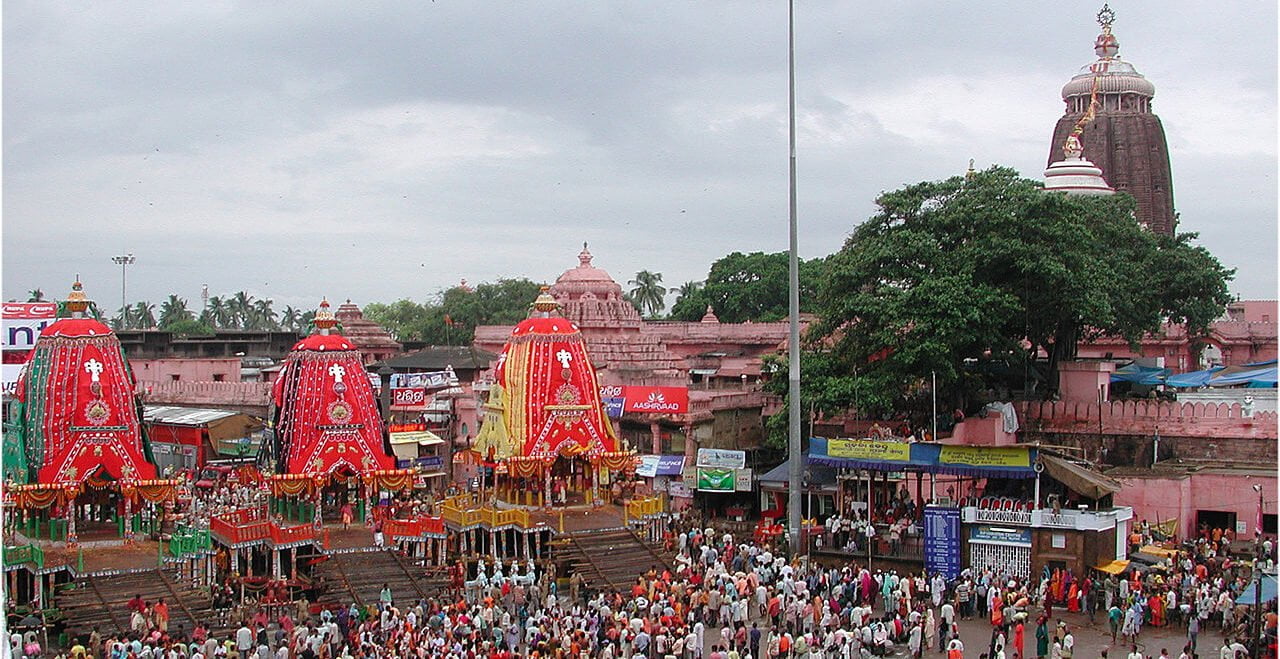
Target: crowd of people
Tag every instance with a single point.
(722, 598)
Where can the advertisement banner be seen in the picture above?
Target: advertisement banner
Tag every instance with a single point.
(613, 407)
(679, 489)
(985, 456)
(721, 458)
(423, 380)
(660, 465)
(942, 541)
(998, 535)
(867, 449)
(427, 462)
(716, 480)
(656, 400)
(23, 322)
(742, 480)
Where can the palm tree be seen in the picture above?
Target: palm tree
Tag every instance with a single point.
(264, 318)
(217, 313)
(120, 321)
(174, 310)
(36, 295)
(291, 319)
(144, 315)
(648, 292)
(241, 309)
(688, 288)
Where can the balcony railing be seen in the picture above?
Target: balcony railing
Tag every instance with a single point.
(1075, 520)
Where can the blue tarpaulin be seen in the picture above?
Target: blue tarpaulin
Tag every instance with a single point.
(1192, 379)
(1137, 374)
(1248, 374)
(1268, 590)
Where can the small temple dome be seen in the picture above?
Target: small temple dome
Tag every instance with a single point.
(586, 273)
(1075, 175)
(325, 339)
(710, 316)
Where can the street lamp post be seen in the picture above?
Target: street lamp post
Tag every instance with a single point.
(1255, 640)
(793, 308)
(124, 261)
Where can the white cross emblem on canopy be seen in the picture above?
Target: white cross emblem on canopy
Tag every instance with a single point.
(94, 368)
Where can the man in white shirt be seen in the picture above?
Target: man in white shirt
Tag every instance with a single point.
(244, 639)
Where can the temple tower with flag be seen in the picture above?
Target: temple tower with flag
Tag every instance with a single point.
(1109, 113)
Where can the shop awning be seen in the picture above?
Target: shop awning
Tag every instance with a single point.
(1249, 594)
(957, 460)
(419, 437)
(1078, 478)
(1114, 567)
(1159, 551)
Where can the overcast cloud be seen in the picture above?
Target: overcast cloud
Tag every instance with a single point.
(376, 151)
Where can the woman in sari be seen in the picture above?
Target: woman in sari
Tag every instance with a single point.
(1073, 598)
(997, 614)
(1055, 586)
(1156, 602)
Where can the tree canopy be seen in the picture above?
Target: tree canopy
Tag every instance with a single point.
(742, 287)
(992, 266)
(451, 319)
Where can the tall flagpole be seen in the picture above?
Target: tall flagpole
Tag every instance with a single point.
(795, 480)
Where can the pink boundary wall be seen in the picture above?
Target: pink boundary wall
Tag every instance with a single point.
(1145, 418)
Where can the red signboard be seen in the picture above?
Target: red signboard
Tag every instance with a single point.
(649, 400)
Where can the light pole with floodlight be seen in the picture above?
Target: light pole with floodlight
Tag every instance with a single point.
(124, 261)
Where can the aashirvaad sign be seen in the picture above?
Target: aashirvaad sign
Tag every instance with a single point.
(645, 400)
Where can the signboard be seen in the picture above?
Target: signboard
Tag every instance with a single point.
(657, 400)
(942, 541)
(867, 449)
(613, 407)
(415, 399)
(428, 462)
(23, 322)
(645, 400)
(984, 534)
(721, 458)
(985, 456)
(716, 480)
(742, 480)
(423, 380)
(679, 489)
(660, 465)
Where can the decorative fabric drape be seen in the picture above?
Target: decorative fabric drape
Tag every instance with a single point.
(43, 496)
(619, 460)
(292, 487)
(397, 479)
(156, 493)
(526, 467)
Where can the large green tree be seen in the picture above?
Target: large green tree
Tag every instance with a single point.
(991, 266)
(691, 302)
(742, 287)
(451, 319)
(648, 292)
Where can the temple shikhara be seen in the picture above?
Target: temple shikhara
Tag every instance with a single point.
(545, 428)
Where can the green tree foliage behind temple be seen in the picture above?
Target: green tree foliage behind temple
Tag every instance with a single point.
(748, 287)
(993, 267)
(451, 319)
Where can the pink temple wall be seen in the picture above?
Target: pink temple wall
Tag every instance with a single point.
(983, 431)
(1158, 499)
(186, 370)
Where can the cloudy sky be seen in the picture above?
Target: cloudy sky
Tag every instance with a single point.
(380, 150)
